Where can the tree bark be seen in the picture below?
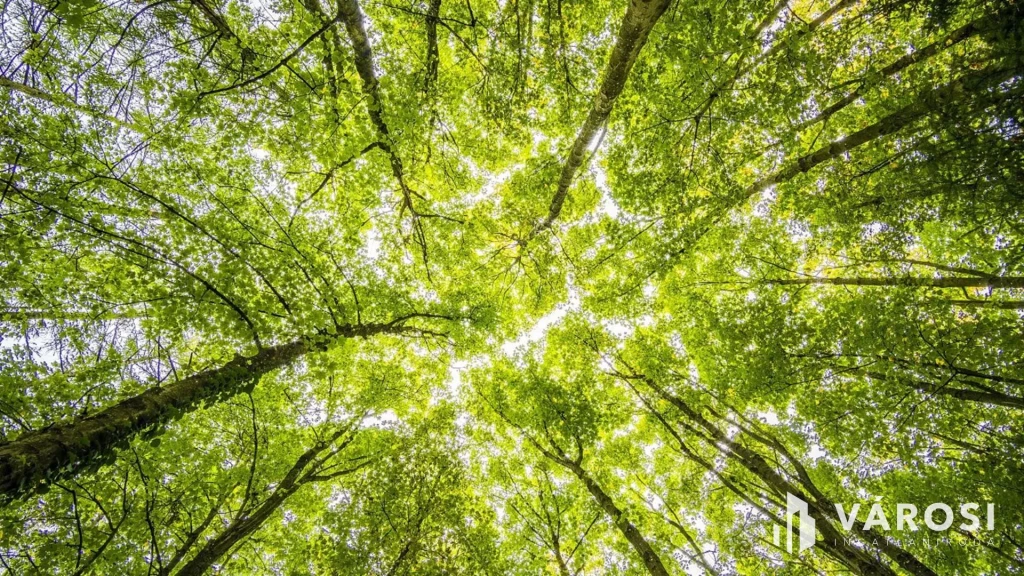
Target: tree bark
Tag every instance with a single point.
(992, 397)
(994, 282)
(954, 38)
(246, 524)
(819, 507)
(647, 554)
(433, 57)
(923, 105)
(641, 16)
(193, 537)
(64, 449)
(351, 14)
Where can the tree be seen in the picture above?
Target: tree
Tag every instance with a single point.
(514, 287)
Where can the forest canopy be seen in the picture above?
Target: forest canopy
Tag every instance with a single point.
(569, 287)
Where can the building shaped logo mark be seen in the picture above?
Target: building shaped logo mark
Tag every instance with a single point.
(796, 506)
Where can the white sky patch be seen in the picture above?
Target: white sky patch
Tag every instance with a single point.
(372, 243)
(762, 209)
(540, 329)
(816, 452)
(871, 230)
(608, 207)
(380, 420)
(771, 31)
(620, 330)
(453, 384)
(492, 181)
(798, 230)
(537, 332)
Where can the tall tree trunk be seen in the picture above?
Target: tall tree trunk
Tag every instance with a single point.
(64, 449)
(992, 397)
(641, 16)
(355, 25)
(926, 103)
(302, 472)
(433, 58)
(994, 282)
(647, 554)
(957, 36)
(640, 544)
(820, 507)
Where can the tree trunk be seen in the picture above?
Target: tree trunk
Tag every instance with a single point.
(954, 38)
(64, 449)
(218, 547)
(995, 282)
(246, 524)
(819, 507)
(925, 104)
(647, 554)
(355, 26)
(193, 537)
(641, 16)
(433, 58)
(993, 398)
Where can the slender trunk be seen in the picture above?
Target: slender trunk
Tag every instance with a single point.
(995, 282)
(217, 20)
(303, 472)
(993, 398)
(355, 26)
(997, 304)
(433, 58)
(954, 38)
(563, 567)
(925, 104)
(641, 16)
(64, 449)
(352, 15)
(832, 543)
(193, 537)
(238, 531)
(647, 554)
(801, 35)
(819, 507)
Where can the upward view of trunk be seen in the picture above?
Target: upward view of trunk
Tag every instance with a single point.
(643, 548)
(63, 449)
(991, 397)
(926, 103)
(652, 562)
(819, 506)
(992, 282)
(303, 472)
(636, 26)
(355, 25)
(957, 36)
(433, 57)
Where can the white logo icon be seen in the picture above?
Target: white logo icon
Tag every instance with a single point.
(797, 506)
